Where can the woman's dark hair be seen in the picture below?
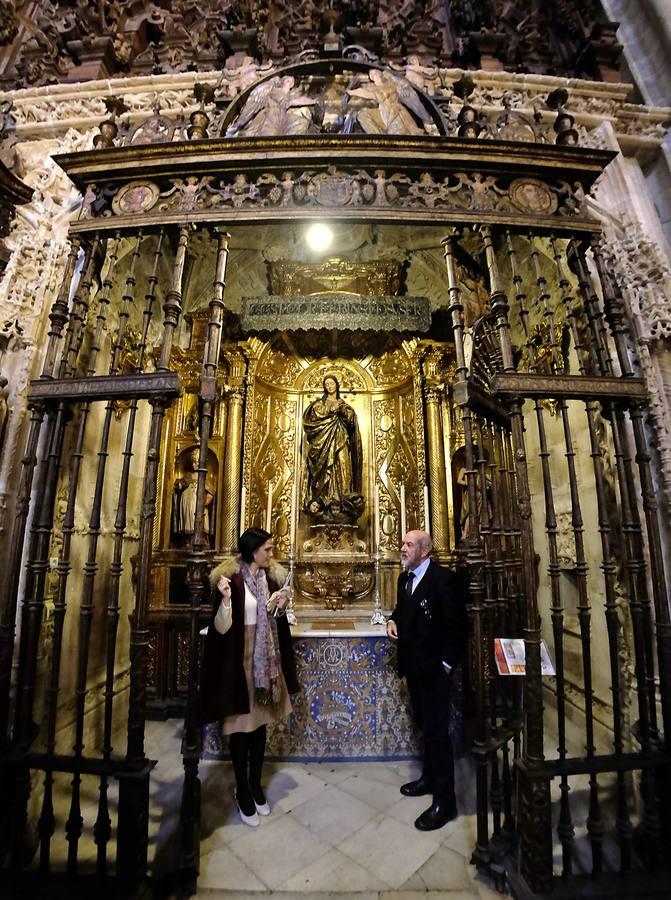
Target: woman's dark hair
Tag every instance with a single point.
(337, 384)
(250, 541)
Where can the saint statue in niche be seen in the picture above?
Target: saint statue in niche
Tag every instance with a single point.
(466, 522)
(191, 415)
(184, 504)
(334, 458)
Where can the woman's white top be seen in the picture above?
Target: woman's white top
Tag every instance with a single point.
(224, 617)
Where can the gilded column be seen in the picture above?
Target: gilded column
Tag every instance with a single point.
(436, 467)
(232, 470)
(448, 444)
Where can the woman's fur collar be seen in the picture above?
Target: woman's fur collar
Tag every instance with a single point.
(231, 566)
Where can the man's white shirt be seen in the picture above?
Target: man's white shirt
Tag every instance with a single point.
(419, 573)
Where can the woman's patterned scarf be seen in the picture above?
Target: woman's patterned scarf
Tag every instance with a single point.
(266, 664)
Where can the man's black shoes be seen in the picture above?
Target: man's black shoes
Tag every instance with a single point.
(416, 788)
(437, 815)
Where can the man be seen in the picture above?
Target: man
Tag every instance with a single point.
(429, 623)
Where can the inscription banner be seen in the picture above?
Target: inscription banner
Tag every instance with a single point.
(342, 312)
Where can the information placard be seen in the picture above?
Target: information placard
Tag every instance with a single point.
(510, 657)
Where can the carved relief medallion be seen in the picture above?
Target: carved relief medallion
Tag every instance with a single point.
(135, 197)
(154, 130)
(532, 196)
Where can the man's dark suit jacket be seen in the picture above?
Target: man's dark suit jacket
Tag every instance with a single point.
(431, 623)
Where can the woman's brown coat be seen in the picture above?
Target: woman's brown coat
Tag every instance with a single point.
(223, 685)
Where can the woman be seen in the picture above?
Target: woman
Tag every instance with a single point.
(248, 667)
(334, 447)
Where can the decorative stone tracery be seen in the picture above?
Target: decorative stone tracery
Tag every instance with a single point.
(510, 106)
(54, 40)
(37, 247)
(372, 189)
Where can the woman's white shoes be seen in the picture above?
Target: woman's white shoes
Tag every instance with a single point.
(263, 809)
(253, 820)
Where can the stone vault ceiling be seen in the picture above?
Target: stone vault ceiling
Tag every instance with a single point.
(53, 41)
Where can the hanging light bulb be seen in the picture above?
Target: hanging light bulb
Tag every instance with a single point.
(319, 236)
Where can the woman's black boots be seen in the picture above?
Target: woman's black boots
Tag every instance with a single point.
(257, 752)
(240, 757)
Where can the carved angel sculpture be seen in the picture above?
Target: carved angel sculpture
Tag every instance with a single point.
(274, 107)
(393, 98)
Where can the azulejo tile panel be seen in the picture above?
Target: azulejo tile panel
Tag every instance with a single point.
(352, 705)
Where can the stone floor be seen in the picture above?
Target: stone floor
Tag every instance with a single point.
(336, 830)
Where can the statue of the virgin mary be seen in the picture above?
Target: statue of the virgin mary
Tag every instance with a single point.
(334, 454)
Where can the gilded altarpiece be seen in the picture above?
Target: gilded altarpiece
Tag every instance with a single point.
(343, 572)
(380, 379)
